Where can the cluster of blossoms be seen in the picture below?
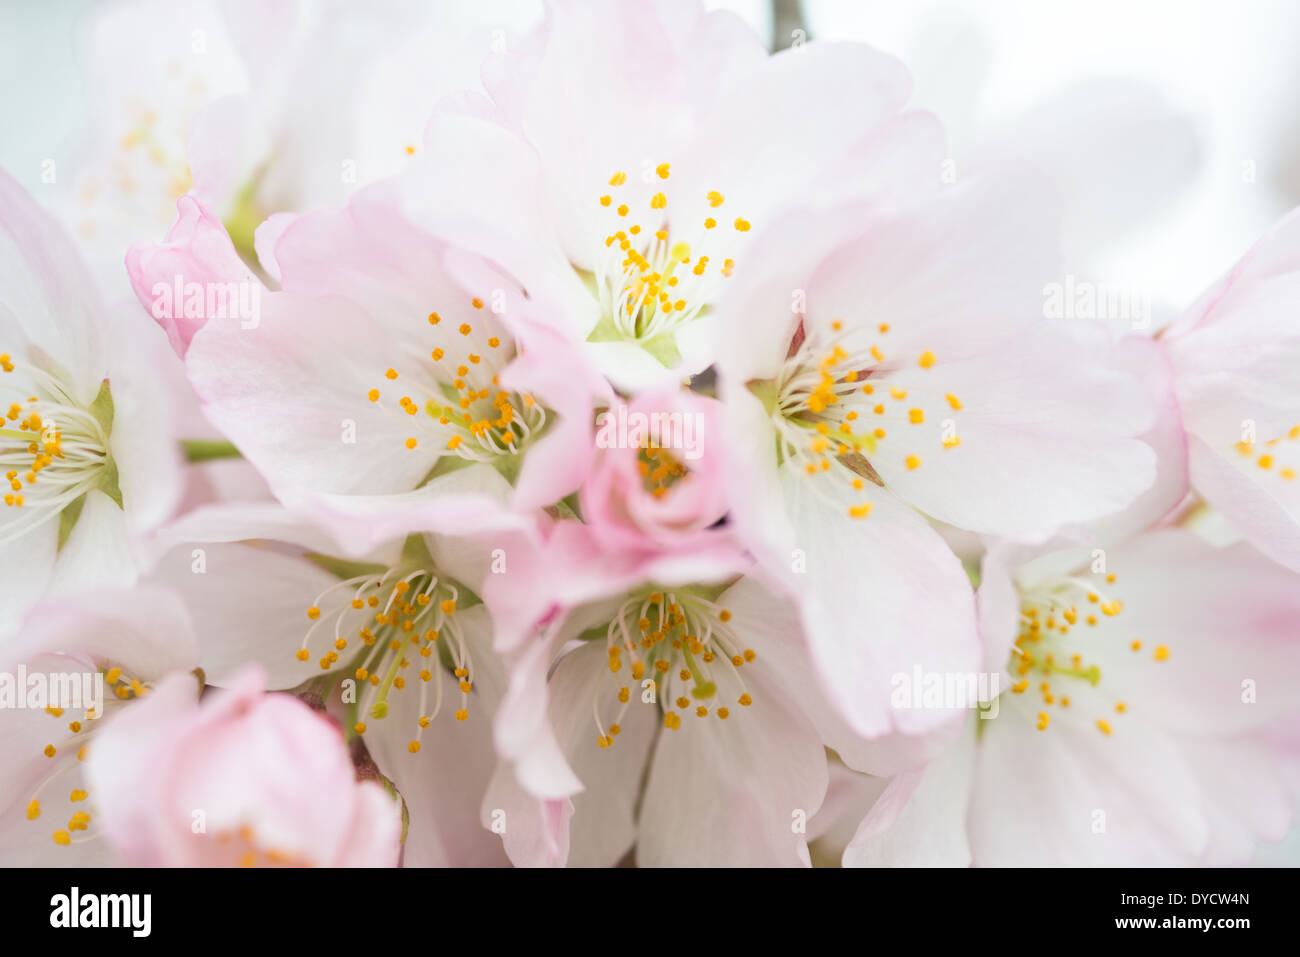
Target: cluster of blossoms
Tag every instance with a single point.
(656, 459)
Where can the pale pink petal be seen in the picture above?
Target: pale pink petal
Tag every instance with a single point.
(264, 770)
(1049, 435)
(920, 819)
(881, 596)
(146, 629)
(1229, 621)
(604, 822)
(445, 783)
(1262, 508)
(196, 250)
(1072, 795)
(249, 604)
(47, 297)
(733, 793)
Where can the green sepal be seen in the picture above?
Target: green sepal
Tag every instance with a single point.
(68, 520)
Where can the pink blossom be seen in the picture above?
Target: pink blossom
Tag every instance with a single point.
(372, 609)
(383, 354)
(1235, 355)
(657, 480)
(87, 442)
(242, 779)
(123, 642)
(1146, 718)
(627, 156)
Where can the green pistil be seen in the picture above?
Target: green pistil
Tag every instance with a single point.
(243, 221)
(859, 443)
(1091, 674)
(380, 708)
(704, 688)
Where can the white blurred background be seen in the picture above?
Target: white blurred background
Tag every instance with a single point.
(1228, 68)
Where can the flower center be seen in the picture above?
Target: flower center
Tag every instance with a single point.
(660, 470)
(453, 398)
(1278, 456)
(390, 618)
(53, 450)
(147, 171)
(1050, 653)
(649, 278)
(681, 650)
(241, 847)
(834, 404)
(76, 740)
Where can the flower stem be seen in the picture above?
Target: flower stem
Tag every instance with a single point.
(205, 450)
